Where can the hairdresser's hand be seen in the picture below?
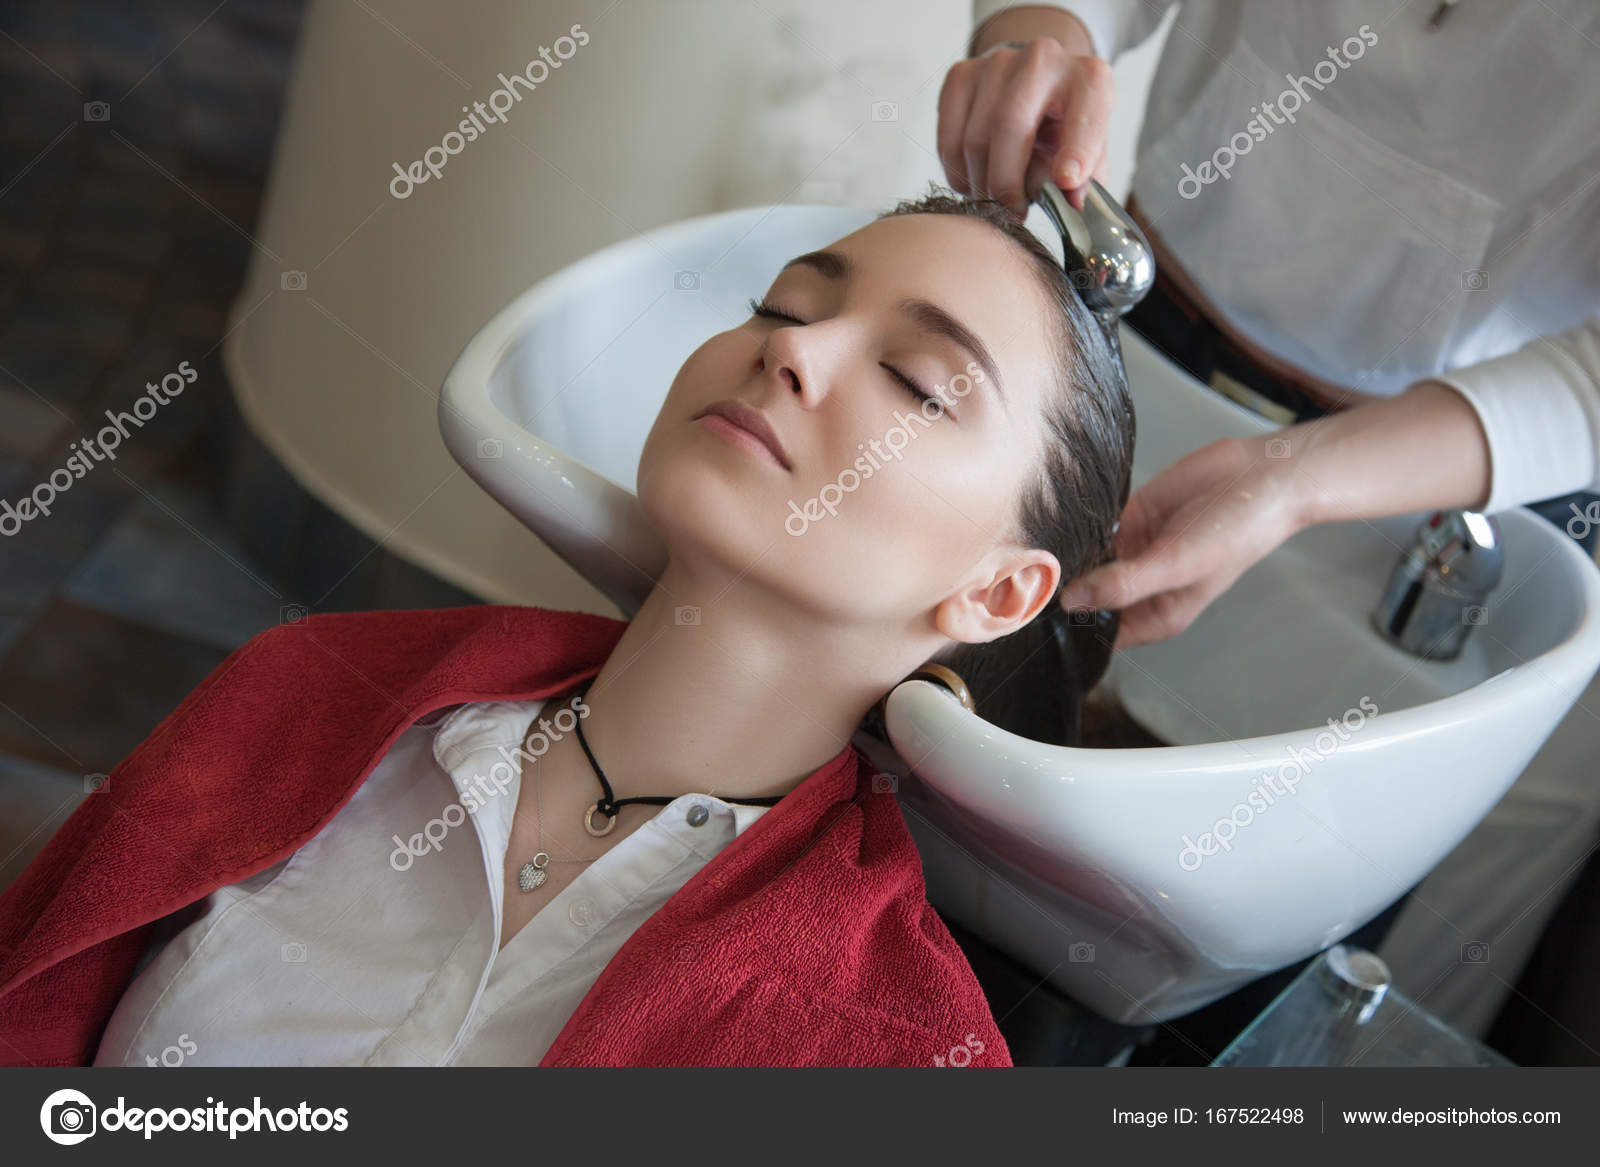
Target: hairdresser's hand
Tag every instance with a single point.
(1193, 529)
(1189, 532)
(1011, 119)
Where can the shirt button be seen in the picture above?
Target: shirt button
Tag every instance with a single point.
(698, 814)
(578, 913)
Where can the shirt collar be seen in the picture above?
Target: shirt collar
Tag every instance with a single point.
(479, 746)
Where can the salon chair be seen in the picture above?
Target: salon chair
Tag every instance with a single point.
(1100, 872)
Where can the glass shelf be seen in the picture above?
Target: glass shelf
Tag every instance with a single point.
(1343, 1011)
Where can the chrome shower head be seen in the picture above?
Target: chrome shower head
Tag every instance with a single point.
(1105, 254)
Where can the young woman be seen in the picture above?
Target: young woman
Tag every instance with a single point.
(283, 873)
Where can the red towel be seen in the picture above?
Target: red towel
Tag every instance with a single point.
(808, 940)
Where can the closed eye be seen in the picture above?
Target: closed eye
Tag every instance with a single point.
(771, 311)
(766, 308)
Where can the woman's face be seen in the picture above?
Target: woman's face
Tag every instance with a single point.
(881, 512)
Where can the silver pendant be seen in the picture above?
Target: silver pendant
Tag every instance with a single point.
(532, 874)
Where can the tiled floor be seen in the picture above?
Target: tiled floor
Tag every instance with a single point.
(117, 264)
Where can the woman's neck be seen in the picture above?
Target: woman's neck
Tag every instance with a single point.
(710, 690)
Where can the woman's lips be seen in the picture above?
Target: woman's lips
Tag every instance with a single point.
(747, 426)
(721, 425)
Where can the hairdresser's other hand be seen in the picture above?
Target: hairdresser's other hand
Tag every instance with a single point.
(1188, 533)
(1009, 120)
(1193, 529)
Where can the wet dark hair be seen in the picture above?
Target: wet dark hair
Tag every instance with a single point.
(1033, 681)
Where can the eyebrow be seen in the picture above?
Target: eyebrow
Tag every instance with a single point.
(928, 316)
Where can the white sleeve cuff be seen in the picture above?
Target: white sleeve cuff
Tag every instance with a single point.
(1100, 17)
(1540, 410)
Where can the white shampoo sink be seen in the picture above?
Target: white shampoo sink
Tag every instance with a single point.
(1105, 871)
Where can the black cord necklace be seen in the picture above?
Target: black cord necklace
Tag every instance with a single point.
(532, 874)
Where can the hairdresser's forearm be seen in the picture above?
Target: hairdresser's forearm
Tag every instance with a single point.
(1030, 22)
(1421, 450)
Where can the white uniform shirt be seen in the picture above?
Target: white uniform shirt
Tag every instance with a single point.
(1432, 210)
(357, 951)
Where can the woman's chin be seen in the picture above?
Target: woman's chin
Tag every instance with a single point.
(707, 500)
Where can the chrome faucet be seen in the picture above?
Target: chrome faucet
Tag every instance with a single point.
(1437, 592)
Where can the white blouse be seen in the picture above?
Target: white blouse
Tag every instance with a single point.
(377, 942)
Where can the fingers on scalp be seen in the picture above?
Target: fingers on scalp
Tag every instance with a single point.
(1114, 584)
(1165, 565)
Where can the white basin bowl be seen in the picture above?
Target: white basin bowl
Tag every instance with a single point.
(1105, 871)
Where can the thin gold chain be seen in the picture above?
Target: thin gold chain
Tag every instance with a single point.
(538, 800)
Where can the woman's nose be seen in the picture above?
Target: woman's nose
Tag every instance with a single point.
(798, 362)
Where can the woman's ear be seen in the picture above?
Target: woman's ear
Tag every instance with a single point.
(1007, 597)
